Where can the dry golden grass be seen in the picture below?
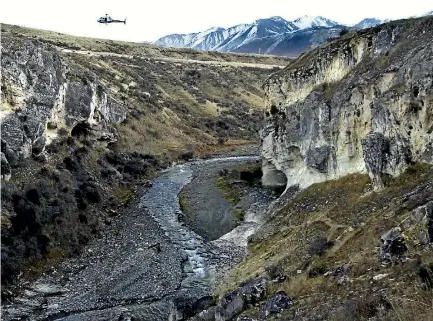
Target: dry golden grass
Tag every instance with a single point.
(141, 49)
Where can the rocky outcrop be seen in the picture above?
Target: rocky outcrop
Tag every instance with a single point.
(40, 100)
(419, 225)
(392, 246)
(362, 103)
(276, 304)
(414, 231)
(250, 292)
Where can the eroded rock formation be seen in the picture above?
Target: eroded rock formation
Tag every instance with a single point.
(362, 103)
(40, 99)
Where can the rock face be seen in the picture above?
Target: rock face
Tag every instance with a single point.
(39, 100)
(362, 103)
(392, 246)
(420, 224)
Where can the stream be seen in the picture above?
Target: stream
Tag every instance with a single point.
(153, 267)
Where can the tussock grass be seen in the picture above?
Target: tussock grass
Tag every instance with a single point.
(352, 217)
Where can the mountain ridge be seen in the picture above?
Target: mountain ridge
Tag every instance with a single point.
(239, 38)
(274, 35)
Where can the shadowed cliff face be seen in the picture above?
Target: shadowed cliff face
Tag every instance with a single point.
(39, 99)
(363, 103)
(145, 98)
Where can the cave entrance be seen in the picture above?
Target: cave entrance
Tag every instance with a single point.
(81, 130)
(273, 178)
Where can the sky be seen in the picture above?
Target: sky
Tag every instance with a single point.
(150, 20)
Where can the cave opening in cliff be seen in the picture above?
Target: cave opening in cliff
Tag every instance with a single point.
(81, 130)
(273, 178)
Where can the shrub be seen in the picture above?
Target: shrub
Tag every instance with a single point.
(63, 132)
(187, 156)
(240, 215)
(222, 140)
(318, 245)
(274, 271)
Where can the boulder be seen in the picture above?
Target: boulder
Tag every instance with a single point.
(420, 224)
(279, 302)
(392, 246)
(249, 292)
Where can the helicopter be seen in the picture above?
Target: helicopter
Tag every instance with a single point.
(107, 19)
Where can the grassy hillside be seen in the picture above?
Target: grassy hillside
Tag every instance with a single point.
(325, 240)
(178, 99)
(137, 49)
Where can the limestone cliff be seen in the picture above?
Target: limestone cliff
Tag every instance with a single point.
(362, 103)
(39, 97)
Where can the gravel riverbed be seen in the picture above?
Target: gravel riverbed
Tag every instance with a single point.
(152, 266)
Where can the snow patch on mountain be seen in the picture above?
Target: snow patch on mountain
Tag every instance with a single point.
(368, 23)
(310, 22)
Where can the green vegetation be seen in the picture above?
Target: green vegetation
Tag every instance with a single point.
(184, 206)
(232, 182)
(123, 194)
(240, 215)
(231, 192)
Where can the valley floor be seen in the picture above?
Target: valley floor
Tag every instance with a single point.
(150, 266)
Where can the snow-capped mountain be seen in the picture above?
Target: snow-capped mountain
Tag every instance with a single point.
(291, 44)
(263, 35)
(368, 23)
(202, 40)
(228, 39)
(310, 22)
(273, 35)
(372, 22)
